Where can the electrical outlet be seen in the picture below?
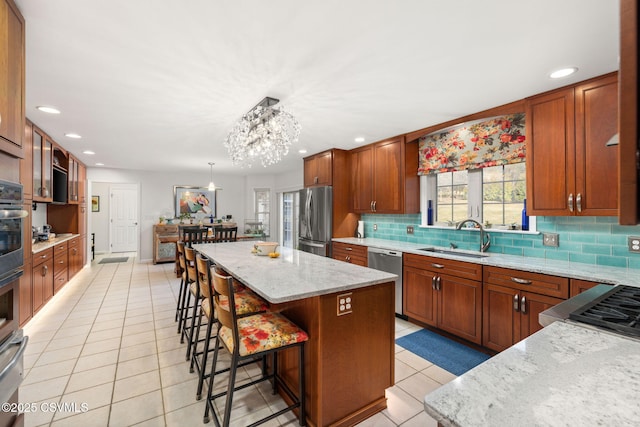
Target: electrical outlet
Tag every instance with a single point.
(551, 239)
(634, 244)
(409, 229)
(345, 303)
(375, 227)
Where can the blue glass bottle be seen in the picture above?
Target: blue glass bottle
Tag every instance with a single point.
(525, 217)
(430, 213)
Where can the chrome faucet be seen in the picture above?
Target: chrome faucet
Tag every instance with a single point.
(483, 245)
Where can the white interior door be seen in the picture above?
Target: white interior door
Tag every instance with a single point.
(124, 217)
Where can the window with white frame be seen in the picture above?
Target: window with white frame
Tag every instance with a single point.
(493, 195)
(262, 207)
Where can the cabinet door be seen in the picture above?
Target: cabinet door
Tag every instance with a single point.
(362, 179)
(530, 308)
(42, 166)
(597, 163)
(72, 182)
(82, 182)
(318, 170)
(420, 299)
(460, 307)
(499, 317)
(26, 163)
(577, 286)
(42, 283)
(388, 173)
(550, 153)
(12, 105)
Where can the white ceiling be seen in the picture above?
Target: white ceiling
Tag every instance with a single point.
(158, 84)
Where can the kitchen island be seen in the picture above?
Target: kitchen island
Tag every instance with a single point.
(348, 312)
(564, 375)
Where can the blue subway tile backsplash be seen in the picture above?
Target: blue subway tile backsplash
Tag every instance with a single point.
(589, 240)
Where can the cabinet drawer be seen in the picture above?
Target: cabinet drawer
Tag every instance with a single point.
(73, 242)
(42, 256)
(60, 279)
(451, 267)
(60, 263)
(553, 286)
(355, 254)
(60, 248)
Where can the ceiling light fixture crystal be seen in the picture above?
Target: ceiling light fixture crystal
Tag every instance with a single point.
(264, 133)
(212, 186)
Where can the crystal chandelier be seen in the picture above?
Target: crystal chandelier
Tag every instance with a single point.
(265, 133)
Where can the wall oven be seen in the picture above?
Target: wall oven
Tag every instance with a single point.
(11, 227)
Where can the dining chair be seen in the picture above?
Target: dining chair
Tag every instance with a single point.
(246, 338)
(194, 234)
(225, 234)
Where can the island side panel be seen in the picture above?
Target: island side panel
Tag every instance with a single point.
(350, 357)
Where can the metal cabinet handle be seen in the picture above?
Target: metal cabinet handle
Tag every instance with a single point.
(521, 281)
(61, 262)
(347, 258)
(434, 265)
(439, 283)
(45, 269)
(523, 305)
(579, 202)
(433, 282)
(570, 202)
(371, 206)
(515, 302)
(348, 249)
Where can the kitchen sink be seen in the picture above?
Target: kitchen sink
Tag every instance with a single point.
(451, 252)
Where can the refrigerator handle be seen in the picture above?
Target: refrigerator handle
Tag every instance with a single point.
(310, 215)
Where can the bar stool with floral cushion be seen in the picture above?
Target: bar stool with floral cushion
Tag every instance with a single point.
(249, 337)
(246, 302)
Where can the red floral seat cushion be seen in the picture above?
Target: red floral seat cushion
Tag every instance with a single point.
(261, 332)
(246, 303)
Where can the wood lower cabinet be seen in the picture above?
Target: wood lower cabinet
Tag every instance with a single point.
(354, 254)
(42, 275)
(577, 286)
(512, 302)
(444, 293)
(60, 266)
(571, 170)
(165, 238)
(75, 256)
(384, 177)
(26, 291)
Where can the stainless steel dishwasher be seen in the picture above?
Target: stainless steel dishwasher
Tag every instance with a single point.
(391, 262)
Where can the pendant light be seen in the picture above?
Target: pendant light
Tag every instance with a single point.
(212, 186)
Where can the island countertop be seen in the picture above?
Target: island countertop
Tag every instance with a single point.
(565, 374)
(294, 275)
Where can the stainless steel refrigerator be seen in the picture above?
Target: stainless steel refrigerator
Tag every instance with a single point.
(315, 220)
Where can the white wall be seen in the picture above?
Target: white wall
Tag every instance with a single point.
(156, 196)
(99, 221)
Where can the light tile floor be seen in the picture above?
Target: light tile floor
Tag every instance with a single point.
(106, 345)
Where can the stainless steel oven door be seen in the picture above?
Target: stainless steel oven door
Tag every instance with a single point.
(11, 235)
(12, 364)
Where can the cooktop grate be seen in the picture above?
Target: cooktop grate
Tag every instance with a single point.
(617, 309)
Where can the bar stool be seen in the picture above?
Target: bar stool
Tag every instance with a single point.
(194, 234)
(188, 322)
(183, 281)
(246, 302)
(249, 337)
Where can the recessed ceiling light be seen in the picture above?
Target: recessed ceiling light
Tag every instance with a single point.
(359, 139)
(88, 152)
(302, 151)
(50, 110)
(563, 72)
(72, 135)
(99, 164)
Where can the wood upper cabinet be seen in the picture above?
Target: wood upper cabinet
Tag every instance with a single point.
(318, 169)
(512, 301)
(12, 78)
(26, 163)
(75, 180)
(444, 293)
(82, 183)
(384, 177)
(629, 151)
(570, 168)
(42, 166)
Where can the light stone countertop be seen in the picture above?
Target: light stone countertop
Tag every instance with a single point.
(563, 375)
(574, 270)
(293, 275)
(41, 246)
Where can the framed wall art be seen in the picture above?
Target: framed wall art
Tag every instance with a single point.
(95, 203)
(193, 200)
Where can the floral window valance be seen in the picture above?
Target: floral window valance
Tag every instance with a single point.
(487, 142)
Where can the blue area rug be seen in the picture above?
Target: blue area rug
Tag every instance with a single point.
(450, 355)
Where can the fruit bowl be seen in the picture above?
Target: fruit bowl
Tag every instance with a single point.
(265, 248)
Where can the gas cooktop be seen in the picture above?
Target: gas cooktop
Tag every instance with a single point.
(617, 309)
